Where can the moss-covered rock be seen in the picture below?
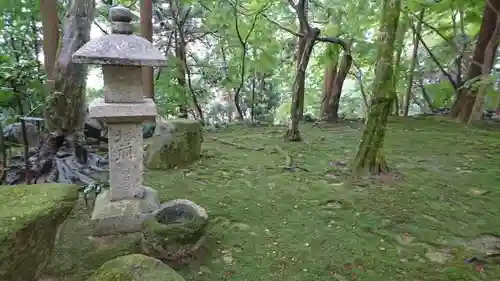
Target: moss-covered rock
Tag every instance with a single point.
(175, 231)
(175, 143)
(29, 219)
(135, 267)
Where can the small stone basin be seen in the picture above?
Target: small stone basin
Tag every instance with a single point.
(175, 231)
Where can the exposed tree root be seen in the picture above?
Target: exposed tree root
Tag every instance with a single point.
(238, 146)
(289, 165)
(291, 135)
(324, 123)
(58, 160)
(272, 132)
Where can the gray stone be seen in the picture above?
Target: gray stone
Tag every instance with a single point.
(122, 28)
(120, 13)
(175, 143)
(122, 216)
(14, 133)
(135, 268)
(175, 231)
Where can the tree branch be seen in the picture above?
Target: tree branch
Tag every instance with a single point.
(100, 27)
(434, 58)
(302, 16)
(298, 34)
(338, 41)
(428, 25)
(333, 40)
(359, 77)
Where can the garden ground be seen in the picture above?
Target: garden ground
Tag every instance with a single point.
(272, 221)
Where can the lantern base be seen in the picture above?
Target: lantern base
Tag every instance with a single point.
(122, 216)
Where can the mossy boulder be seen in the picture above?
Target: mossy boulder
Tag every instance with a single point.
(29, 219)
(175, 231)
(175, 143)
(135, 267)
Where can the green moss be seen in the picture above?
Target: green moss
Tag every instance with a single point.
(135, 267)
(23, 205)
(178, 147)
(29, 219)
(270, 224)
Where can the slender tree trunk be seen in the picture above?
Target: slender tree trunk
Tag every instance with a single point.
(359, 78)
(146, 13)
(463, 105)
(65, 111)
(180, 53)
(369, 157)
(179, 17)
(459, 30)
(301, 48)
(399, 46)
(413, 64)
(293, 133)
(426, 95)
(252, 109)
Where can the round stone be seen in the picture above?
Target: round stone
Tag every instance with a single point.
(122, 28)
(120, 13)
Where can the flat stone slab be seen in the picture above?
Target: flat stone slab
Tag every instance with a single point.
(122, 216)
(30, 216)
(122, 112)
(120, 49)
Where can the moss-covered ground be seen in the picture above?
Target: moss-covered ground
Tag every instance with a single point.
(272, 223)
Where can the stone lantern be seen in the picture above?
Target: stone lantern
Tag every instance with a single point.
(123, 207)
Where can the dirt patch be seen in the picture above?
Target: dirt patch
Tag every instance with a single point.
(104, 242)
(387, 178)
(50, 278)
(405, 239)
(478, 192)
(441, 256)
(485, 244)
(431, 218)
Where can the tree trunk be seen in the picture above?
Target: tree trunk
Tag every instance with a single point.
(338, 83)
(65, 110)
(63, 157)
(181, 77)
(463, 105)
(301, 48)
(51, 33)
(399, 46)
(489, 57)
(330, 73)
(293, 133)
(369, 157)
(180, 20)
(413, 64)
(252, 108)
(146, 13)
